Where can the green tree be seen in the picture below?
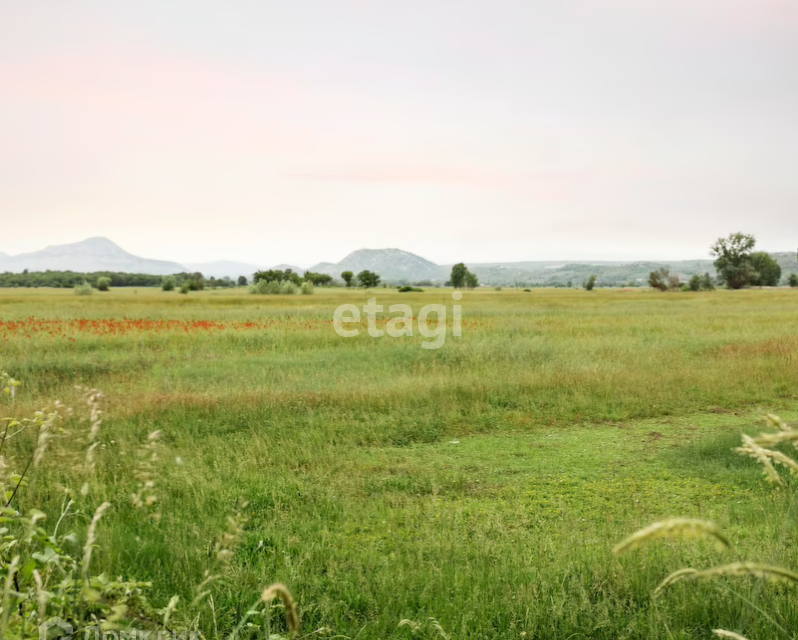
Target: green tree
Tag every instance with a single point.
(462, 278)
(168, 283)
(103, 283)
(733, 259)
(242, 281)
(270, 275)
(591, 282)
(367, 279)
(767, 270)
(196, 281)
(793, 280)
(707, 283)
(458, 277)
(347, 276)
(695, 282)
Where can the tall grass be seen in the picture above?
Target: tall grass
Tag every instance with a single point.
(482, 484)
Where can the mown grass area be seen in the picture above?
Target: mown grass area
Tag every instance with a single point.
(483, 483)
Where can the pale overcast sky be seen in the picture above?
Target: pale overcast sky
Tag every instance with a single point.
(299, 130)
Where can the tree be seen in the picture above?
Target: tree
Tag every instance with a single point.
(793, 280)
(591, 282)
(767, 270)
(674, 282)
(347, 276)
(270, 275)
(242, 281)
(706, 283)
(458, 277)
(695, 282)
(103, 283)
(659, 279)
(196, 281)
(462, 278)
(733, 259)
(168, 283)
(367, 279)
(318, 279)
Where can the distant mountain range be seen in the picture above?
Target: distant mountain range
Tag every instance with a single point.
(393, 265)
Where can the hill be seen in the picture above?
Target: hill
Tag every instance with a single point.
(392, 264)
(93, 254)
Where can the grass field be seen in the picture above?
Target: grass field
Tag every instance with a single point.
(482, 484)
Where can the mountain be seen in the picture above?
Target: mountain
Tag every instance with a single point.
(390, 264)
(93, 254)
(393, 265)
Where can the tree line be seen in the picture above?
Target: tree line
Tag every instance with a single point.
(737, 266)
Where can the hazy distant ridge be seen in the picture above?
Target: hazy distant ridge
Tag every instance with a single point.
(393, 265)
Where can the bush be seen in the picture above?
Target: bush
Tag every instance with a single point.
(528, 290)
(408, 289)
(84, 289)
(265, 287)
(185, 288)
(103, 283)
(591, 282)
(307, 288)
(497, 288)
(707, 284)
(695, 283)
(274, 287)
(793, 280)
(168, 283)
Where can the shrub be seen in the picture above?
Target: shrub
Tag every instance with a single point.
(497, 288)
(168, 283)
(274, 287)
(265, 287)
(307, 288)
(695, 283)
(103, 283)
(528, 290)
(591, 282)
(409, 289)
(84, 289)
(185, 288)
(793, 280)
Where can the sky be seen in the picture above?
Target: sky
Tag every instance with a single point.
(297, 131)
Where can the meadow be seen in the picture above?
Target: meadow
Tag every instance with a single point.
(475, 490)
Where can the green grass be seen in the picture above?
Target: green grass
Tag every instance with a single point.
(483, 484)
